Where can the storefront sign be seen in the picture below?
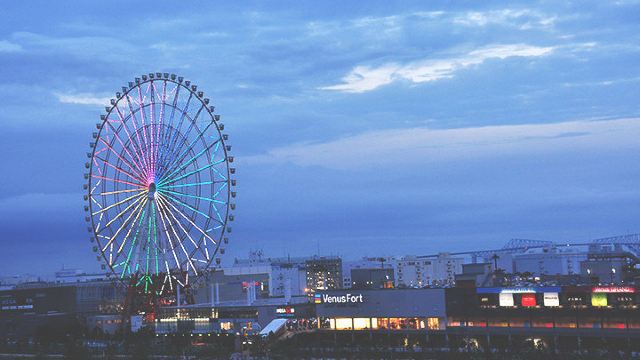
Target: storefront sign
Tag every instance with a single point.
(285, 311)
(518, 290)
(613, 289)
(599, 299)
(551, 299)
(506, 299)
(338, 299)
(528, 300)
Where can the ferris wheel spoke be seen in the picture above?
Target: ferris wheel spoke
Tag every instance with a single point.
(120, 191)
(176, 161)
(168, 132)
(155, 238)
(167, 234)
(196, 246)
(193, 184)
(184, 204)
(121, 170)
(152, 125)
(192, 124)
(144, 126)
(137, 204)
(191, 222)
(196, 197)
(170, 181)
(160, 128)
(124, 223)
(141, 211)
(140, 170)
(135, 141)
(171, 146)
(140, 145)
(166, 211)
(137, 132)
(142, 192)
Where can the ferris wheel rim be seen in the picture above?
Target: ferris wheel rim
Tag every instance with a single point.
(140, 191)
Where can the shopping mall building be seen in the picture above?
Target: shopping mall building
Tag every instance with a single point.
(488, 315)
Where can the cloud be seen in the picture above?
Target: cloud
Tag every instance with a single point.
(523, 19)
(415, 146)
(9, 47)
(82, 99)
(365, 78)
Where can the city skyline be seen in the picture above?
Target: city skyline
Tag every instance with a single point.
(371, 130)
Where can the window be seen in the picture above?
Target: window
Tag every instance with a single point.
(433, 323)
(343, 324)
(361, 323)
(383, 323)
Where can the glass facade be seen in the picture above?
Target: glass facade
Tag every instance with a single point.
(378, 323)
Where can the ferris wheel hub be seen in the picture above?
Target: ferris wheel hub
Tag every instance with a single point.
(152, 190)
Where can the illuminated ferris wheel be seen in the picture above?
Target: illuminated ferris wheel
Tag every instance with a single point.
(159, 187)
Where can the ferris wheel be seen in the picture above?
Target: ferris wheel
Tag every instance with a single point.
(159, 188)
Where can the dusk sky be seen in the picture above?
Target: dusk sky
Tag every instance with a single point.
(359, 129)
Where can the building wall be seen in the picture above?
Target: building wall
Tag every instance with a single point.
(383, 303)
(324, 273)
(551, 261)
(372, 278)
(411, 271)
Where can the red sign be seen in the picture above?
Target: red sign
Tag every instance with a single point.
(613, 289)
(528, 299)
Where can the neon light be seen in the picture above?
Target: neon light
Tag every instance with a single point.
(614, 289)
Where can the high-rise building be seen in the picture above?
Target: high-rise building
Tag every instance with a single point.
(411, 271)
(324, 273)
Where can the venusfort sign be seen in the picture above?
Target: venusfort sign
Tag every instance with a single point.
(347, 298)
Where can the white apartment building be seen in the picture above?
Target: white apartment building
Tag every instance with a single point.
(555, 260)
(411, 271)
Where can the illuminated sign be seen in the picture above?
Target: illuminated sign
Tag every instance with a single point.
(518, 291)
(551, 299)
(528, 300)
(16, 304)
(285, 311)
(613, 289)
(338, 299)
(599, 299)
(506, 299)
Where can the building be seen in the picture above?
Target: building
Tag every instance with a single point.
(475, 275)
(376, 278)
(234, 284)
(324, 272)
(287, 276)
(552, 260)
(417, 272)
(31, 307)
(230, 316)
(609, 264)
(394, 309)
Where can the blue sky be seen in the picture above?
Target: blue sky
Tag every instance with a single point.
(365, 128)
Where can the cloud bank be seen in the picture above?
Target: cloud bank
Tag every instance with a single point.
(422, 145)
(365, 78)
